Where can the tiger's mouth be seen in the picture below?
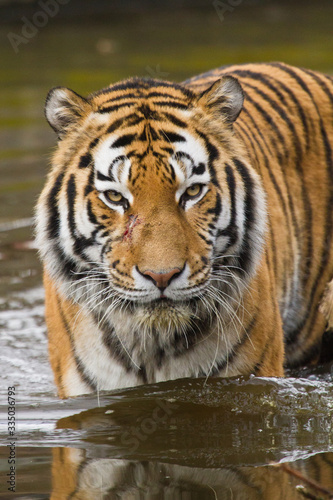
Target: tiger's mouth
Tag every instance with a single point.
(167, 303)
(160, 305)
(166, 315)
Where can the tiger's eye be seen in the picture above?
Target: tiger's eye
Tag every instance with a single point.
(114, 196)
(194, 190)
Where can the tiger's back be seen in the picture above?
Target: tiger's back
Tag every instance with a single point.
(287, 127)
(180, 239)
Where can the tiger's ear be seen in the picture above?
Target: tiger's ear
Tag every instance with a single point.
(63, 108)
(224, 97)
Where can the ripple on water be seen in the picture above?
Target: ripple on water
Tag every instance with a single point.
(23, 346)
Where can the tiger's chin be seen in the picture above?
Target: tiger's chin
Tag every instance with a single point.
(164, 316)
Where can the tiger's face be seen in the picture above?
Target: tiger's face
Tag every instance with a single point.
(149, 212)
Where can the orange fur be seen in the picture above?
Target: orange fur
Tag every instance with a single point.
(280, 145)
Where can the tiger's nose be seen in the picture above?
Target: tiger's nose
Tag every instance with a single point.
(162, 280)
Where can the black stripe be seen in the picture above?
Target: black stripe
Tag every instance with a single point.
(326, 246)
(94, 143)
(213, 155)
(133, 119)
(322, 83)
(121, 97)
(185, 340)
(199, 169)
(231, 230)
(298, 167)
(153, 133)
(173, 119)
(277, 188)
(123, 141)
(53, 226)
(115, 348)
(102, 177)
(171, 104)
(329, 219)
(172, 171)
(71, 196)
(90, 184)
(116, 124)
(255, 143)
(182, 341)
(143, 136)
(107, 247)
(92, 216)
(116, 160)
(267, 81)
(270, 120)
(172, 136)
(133, 83)
(145, 83)
(130, 119)
(216, 210)
(108, 109)
(164, 94)
(181, 154)
(218, 207)
(164, 165)
(80, 241)
(245, 256)
(167, 149)
(85, 161)
(206, 240)
(148, 113)
(293, 74)
(307, 357)
(249, 190)
(79, 364)
(117, 351)
(67, 266)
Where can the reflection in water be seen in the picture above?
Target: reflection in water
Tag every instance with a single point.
(188, 438)
(75, 475)
(223, 422)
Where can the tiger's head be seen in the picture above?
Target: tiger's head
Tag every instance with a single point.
(151, 211)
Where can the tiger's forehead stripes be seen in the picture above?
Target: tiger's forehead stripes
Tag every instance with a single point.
(144, 113)
(171, 150)
(141, 88)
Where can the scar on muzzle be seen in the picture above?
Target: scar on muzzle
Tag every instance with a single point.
(133, 220)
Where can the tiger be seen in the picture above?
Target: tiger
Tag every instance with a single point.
(77, 474)
(185, 229)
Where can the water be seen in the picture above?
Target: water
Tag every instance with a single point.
(186, 439)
